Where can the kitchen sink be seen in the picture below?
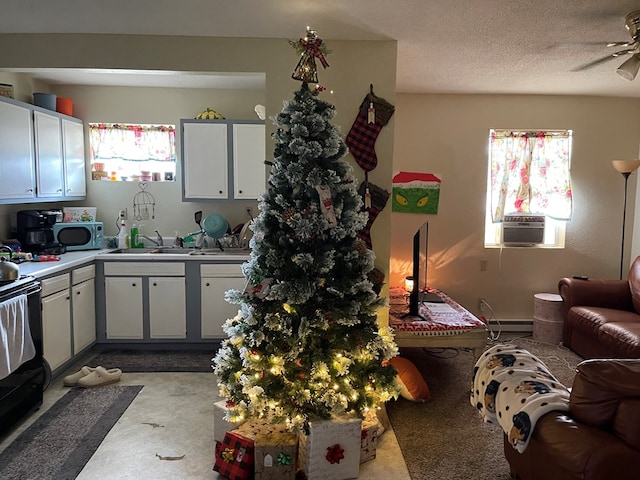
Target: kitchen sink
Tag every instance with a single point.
(155, 250)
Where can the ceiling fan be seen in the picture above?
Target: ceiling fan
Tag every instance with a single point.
(629, 68)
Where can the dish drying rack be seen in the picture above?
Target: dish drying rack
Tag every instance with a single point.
(141, 202)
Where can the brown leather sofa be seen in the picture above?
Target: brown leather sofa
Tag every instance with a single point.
(597, 439)
(601, 318)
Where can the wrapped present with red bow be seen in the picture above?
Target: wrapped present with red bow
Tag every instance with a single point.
(331, 450)
(371, 429)
(222, 420)
(275, 456)
(235, 457)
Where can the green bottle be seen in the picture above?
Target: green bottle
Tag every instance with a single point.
(134, 237)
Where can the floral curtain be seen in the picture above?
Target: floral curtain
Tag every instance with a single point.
(135, 143)
(530, 173)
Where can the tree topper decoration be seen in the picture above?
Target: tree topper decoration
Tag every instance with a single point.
(309, 48)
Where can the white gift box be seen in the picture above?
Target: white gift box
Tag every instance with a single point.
(220, 425)
(331, 451)
(369, 440)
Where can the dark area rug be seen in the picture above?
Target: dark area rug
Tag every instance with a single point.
(58, 444)
(154, 360)
(445, 438)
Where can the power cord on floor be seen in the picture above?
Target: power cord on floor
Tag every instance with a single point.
(493, 336)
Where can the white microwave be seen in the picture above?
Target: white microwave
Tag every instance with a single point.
(79, 235)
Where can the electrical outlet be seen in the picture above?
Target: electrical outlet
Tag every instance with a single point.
(481, 303)
(123, 214)
(483, 265)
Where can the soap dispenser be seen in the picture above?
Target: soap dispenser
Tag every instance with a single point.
(123, 237)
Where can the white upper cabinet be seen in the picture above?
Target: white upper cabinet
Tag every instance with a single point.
(248, 160)
(222, 159)
(205, 160)
(17, 167)
(75, 184)
(41, 154)
(49, 169)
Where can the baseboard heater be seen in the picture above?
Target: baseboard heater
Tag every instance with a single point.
(512, 325)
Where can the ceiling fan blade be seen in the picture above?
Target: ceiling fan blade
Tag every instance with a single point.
(589, 65)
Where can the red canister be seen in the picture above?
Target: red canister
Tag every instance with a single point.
(64, 105)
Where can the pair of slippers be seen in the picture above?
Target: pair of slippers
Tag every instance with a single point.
(88, 377)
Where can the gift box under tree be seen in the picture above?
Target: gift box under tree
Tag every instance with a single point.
(220, 423)
(331, 450)
(275, 456)
(371, 429)
(234, 457)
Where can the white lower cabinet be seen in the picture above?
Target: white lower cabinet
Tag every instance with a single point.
(123, 296)
(56, 320)
(68, 314)
(135, 291)
(215, 280)
(167, 307)
(83, 307)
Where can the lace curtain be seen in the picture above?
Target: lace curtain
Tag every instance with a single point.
(136, 143)
(530, 173)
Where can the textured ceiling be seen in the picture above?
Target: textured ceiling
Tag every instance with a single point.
(444, 46)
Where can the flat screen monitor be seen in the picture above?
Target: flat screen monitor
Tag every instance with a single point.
(419, 292)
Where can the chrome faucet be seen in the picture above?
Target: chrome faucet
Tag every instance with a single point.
(157, 241)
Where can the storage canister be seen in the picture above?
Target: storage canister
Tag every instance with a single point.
(64, 105)
(45, 100)
(547, 318)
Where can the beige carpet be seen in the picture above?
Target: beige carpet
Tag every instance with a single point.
(445, 438)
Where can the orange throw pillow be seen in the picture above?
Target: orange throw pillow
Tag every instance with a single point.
(409, 380)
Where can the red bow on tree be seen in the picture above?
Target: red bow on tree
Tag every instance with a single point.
(311, 44)
(335, 453)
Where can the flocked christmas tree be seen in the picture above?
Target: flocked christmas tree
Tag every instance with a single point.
(305, 343)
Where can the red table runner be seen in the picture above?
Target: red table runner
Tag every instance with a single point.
(448, 318)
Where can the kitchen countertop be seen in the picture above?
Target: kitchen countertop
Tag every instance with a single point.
(75, 259)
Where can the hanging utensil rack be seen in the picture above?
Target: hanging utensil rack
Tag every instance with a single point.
(142, 201)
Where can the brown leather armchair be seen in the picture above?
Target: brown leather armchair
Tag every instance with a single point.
(601, 318)
(597, 439)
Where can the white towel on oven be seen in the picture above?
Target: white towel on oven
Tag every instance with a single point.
(15, 335)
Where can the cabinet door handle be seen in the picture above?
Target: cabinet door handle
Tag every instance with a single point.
(207, 284)
(155, 284)
(69, 190)
(133, 284)
(78, 293)
(220, 192)
(239, 191)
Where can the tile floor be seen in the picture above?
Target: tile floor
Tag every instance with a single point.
(183, 404)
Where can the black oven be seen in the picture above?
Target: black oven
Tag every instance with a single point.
(22, 390)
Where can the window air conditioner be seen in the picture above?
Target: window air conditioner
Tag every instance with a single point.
(522, 230)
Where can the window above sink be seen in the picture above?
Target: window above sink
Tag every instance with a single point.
(128, 152)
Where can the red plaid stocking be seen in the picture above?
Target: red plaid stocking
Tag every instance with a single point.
(362, 137)
(379, 199)
(361, 141)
